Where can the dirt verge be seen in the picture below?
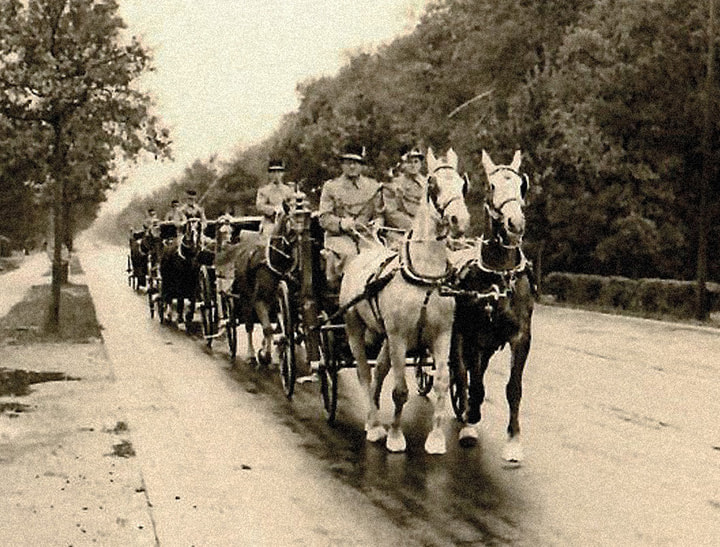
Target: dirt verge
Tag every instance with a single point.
(68, 465)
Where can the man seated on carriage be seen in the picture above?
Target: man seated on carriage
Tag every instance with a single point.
(271, 196)
(151, 223)
(175, 214)
(403, 194)
(347, 203)
(192, 209)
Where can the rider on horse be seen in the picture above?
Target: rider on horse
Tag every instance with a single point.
(347, 203)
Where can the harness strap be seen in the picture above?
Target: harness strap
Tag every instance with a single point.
(423, 318)
(372, 288)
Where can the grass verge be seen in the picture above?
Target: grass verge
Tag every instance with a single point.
(26, 323)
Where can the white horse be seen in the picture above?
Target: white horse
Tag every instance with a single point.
(408, 311)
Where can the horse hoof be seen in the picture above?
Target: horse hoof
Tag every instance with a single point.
(376, 433)
(264, 358)
(513, 452)
(435, 442)
(468, 436)
(395, 441)
(253, 362)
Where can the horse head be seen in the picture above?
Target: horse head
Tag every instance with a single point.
(192, 237)
(446, 190)
(505, 198)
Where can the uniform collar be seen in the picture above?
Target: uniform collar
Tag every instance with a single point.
(355, 182)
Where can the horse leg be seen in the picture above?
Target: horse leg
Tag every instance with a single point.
(262, 309)
(435, 442)
(479, 361)
(374, 428)
(519, 349)
(190, 313)
(180, 306)
(397, 348)
(355, 331)
(250, 353)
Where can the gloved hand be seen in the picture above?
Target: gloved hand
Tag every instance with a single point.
(347, 224)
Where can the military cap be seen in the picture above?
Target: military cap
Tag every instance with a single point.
(276, 165)
(413, 152)
(354, 152)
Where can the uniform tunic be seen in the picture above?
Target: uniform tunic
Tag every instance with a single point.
(269, 198)
(175, 215)
(342, 197)
(402, 198)
(193, 211)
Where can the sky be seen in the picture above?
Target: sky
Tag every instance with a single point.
(226, 71)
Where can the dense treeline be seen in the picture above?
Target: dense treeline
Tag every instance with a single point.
(604, 98)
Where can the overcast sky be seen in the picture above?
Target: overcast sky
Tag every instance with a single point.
(227, 70)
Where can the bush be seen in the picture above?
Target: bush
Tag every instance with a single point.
(643, 296)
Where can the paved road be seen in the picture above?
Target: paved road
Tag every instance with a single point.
(619, 421)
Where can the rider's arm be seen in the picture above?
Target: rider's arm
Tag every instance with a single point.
(330, 221)
(262, 203)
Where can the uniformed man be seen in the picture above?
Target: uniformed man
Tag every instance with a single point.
(175, 214)
(347, 203)
(403, 194)
(151, 223)
(270, 197)
(191, 209)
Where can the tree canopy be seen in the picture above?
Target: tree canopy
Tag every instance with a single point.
(69, 109)
(602, 96)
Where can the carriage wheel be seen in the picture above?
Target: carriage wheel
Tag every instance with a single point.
(424, 380)
(208, 307)
(230, 325)
(328, 373)
(286, 342)
(458, 389)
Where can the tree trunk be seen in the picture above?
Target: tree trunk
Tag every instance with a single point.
(53, 323)
(701, 311)
(68, 224)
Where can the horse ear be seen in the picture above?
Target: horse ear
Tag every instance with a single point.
(466, 184)
(524, 185)
(517, 158)
(452, 158)
(487, 162)
(431, 161)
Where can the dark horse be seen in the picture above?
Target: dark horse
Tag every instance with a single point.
(495, 304)
(259, 262)
(138, 258)
(180, 269)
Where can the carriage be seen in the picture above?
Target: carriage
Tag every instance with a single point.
(448, 345)
(310, 317)
(468, 311)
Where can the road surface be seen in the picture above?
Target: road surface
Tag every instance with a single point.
(620, 430)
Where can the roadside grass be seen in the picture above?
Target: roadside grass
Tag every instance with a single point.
(10, 263)
(713, 321)
(26, 322)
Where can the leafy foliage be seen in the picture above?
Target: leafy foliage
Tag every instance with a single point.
(68, 108)
(603, 96)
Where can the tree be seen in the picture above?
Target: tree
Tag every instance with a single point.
(70, 108)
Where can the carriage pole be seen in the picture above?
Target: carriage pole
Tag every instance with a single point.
(307, 294)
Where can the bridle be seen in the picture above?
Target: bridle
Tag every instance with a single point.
(441, 209)
(495, 212)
